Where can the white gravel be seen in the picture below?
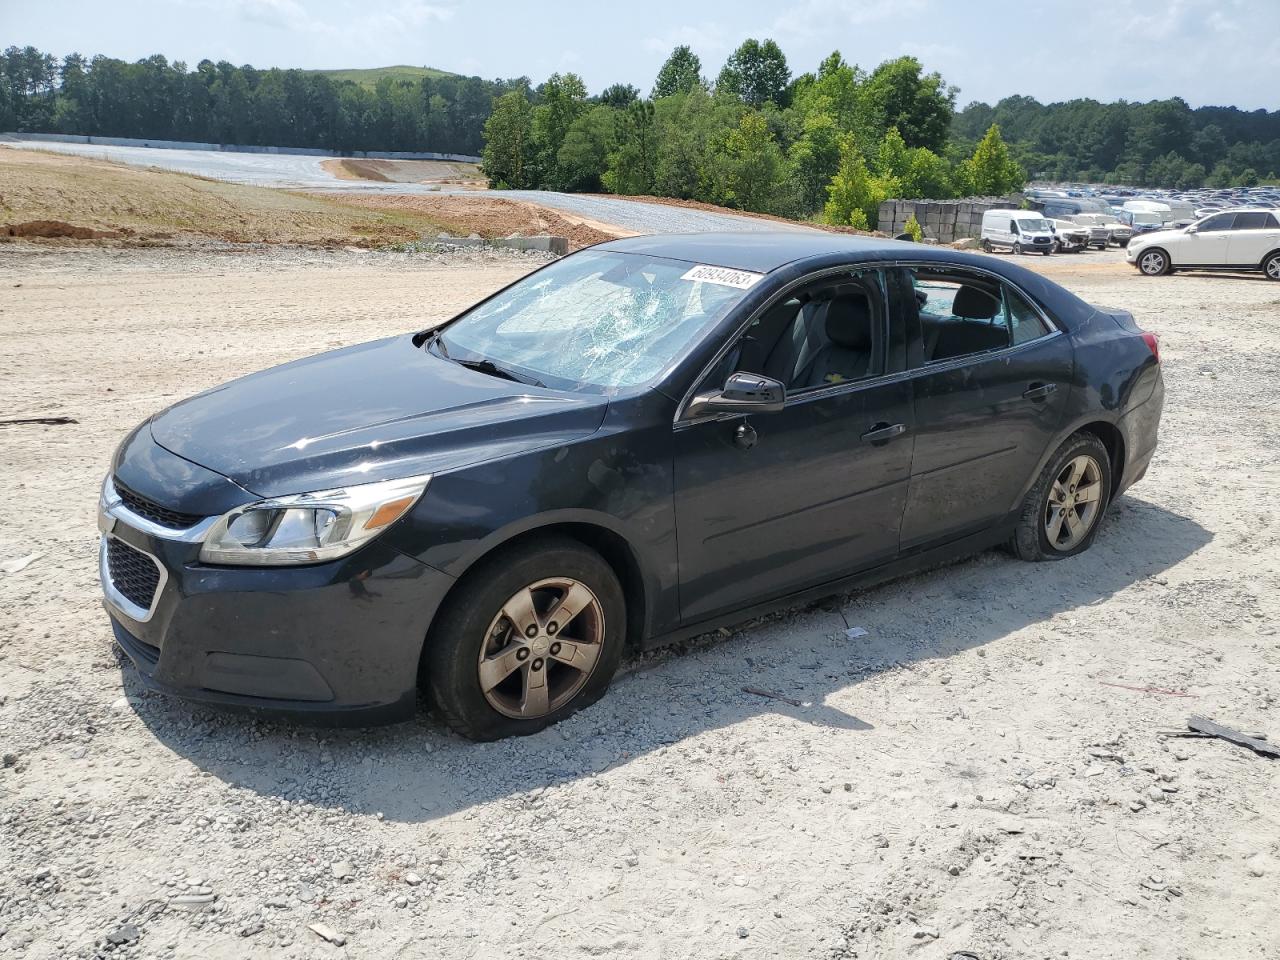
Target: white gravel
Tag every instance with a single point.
(981, 772)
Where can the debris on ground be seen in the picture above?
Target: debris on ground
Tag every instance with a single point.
(18, 564)
(1257, 745)
(773, 696)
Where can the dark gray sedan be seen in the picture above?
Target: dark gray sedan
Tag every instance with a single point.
(636, 443)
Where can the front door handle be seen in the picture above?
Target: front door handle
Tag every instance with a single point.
(882, 433)
(1039, 391)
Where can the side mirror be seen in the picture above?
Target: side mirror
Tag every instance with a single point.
(742, 393)
(1193, 229)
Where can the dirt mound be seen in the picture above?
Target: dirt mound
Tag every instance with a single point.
(355, 170)
(406, 171)
(47, 195)
(493, 217)
(57, 228)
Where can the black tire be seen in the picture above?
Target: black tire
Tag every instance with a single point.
(454, 644)
(1046, 252)
(1271, 266)
(1017, 249)
(1031, 540)
(1154, 262)
(986, 246)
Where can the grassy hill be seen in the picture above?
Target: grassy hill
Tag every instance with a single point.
(369, 77)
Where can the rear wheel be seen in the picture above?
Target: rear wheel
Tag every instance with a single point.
(986, 246)
(530, 637)
(1271, 266)
(1153, 263)
(1062, 512)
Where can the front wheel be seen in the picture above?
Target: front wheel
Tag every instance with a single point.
(529, 638)
(1153, 263)
(1017, 249)
(1271, 266)
(1062, 512)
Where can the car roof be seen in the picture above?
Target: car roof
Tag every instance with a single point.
(759, 251)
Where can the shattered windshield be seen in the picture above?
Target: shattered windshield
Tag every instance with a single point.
(596, 319)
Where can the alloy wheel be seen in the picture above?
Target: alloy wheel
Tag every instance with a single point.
(1273, 268)
(1152, 263)
(541, 648)
(1075, 502)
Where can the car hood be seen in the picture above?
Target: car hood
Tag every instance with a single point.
(375, 411)
(1157, 233)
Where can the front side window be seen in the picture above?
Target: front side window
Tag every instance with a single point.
(1221, 221)
(823, 333)
(596, 320)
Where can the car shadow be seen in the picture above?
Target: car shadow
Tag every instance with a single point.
(419, 771)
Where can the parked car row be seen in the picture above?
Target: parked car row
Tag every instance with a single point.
(1026, 231)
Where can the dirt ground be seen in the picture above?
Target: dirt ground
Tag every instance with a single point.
(407, 171)
(981, 776)
(494, 216)
(47, 195)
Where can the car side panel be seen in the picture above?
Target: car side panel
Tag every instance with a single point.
(619, 480)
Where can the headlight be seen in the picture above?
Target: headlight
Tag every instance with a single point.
(309, 527)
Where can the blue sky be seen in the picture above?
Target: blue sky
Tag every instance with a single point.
(1206, 51)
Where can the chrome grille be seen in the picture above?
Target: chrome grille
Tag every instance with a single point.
(150, 510)
(134, 574)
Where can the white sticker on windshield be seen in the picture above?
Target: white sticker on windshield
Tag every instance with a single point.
(742, 279)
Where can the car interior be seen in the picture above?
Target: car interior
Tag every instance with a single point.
(972, 322)
(824, 335)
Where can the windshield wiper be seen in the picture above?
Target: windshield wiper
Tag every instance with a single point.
(491, 368)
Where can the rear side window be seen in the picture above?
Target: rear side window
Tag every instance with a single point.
(1253, 221)
(963, 314)
(1025, 322)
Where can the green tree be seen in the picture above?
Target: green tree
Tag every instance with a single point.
(814, 160)
(508, 147)
(631, 163)
(899, 94)
(680, 74)
(753, 166)
(912, 226)
(585, 152)
(991, 171)
(618, 95)
(853, 189)
(756, 73)
(564, 99)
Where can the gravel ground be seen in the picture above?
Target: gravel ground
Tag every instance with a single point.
(300, 172)
(981, 772)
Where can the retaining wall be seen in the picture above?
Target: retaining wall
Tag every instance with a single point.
(944, 220)
(239, 148)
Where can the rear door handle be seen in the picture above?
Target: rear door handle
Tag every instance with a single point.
(1039, 391)
(884, 432)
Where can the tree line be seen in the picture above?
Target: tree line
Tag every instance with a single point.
(1163, 143)
(832, 144)
(827, 143)
(222, 103)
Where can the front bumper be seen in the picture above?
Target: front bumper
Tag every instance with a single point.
(337, 641)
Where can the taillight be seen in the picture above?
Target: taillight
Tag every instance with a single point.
(1152, 341)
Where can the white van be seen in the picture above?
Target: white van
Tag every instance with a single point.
(1022, 231)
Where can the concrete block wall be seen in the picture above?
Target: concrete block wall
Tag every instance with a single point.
(942, 220)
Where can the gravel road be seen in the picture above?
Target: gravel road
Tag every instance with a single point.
(981, 772)
(306, 173)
